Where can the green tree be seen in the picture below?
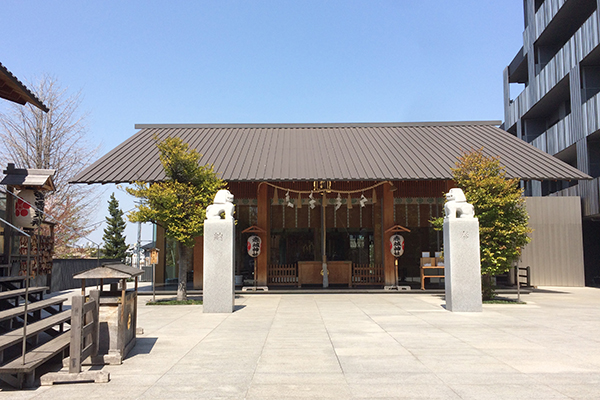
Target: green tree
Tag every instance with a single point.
(500, 208)
(114, 241)
(178, 204)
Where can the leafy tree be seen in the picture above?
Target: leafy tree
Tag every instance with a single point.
(114, 241)
(178, 204)
(500, 208)
(54, 140)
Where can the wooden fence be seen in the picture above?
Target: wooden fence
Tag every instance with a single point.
(367, 274)
(362, 275)
(282, 274)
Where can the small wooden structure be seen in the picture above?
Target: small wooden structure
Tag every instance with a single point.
(84, 335)
(118, 311)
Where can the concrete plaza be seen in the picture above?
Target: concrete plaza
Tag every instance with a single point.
(375, 346)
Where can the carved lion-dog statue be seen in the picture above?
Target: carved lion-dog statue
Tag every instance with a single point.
(223, 204)
(456, 205)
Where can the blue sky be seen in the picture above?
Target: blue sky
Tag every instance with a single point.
(264, 61)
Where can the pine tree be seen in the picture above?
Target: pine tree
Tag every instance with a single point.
(114, 241)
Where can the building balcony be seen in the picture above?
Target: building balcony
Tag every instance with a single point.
(591, 115)
(545, 14)
(557, 138)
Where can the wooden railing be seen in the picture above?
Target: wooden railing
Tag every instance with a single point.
(362, 274)
(367, 274)
(85, 328)
(282, 274)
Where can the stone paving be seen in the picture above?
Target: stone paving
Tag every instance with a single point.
(371, 346)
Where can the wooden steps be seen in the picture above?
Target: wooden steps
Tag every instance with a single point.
(10, 282)
(47, 305)
(18, 293)
(44, 325)
(33, 359)
(12, 313)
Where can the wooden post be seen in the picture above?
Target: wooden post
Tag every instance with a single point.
(263, 222)
(387, 211)
(198, 262)
(76, 327)
(95, 296)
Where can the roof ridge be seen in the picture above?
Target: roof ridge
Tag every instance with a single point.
(323, 125)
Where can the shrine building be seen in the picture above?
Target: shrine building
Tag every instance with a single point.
(331, 193)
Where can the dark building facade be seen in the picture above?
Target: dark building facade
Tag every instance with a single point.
(558, 108)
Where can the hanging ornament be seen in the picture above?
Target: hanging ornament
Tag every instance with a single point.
(312, 203)
(299, 200)
(374, 197)
(338, 202)
(349, 204)
(275, 198)
(287, 200)
(363, 201)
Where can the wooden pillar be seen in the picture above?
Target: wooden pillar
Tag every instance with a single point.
(263, 223)
(387, 217)
(198, 262)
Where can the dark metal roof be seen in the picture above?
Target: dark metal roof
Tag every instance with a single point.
(36, 178)
(352, 151)
(12, 89)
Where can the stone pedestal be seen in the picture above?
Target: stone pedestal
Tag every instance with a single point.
(462, 264)
(218, 292)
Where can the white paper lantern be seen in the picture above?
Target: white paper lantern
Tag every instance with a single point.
(397, 245)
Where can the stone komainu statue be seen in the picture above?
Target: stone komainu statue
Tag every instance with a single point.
(223, 204)
(456, 205)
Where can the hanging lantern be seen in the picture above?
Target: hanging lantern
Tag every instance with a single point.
(349, 203)
(254, 246)
(397, 245)
(25, 215)
(299, 200)
(275, 198)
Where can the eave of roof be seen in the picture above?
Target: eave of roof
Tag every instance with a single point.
(14, 90)
(341, 151)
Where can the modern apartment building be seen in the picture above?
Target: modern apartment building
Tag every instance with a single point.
(557, 72)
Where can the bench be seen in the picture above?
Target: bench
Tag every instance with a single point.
(47, 305)
(25, 373)
(45, 325)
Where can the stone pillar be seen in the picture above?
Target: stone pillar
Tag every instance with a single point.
(218, 293)
(461, 255)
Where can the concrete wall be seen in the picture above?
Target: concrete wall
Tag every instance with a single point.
(555, 253)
